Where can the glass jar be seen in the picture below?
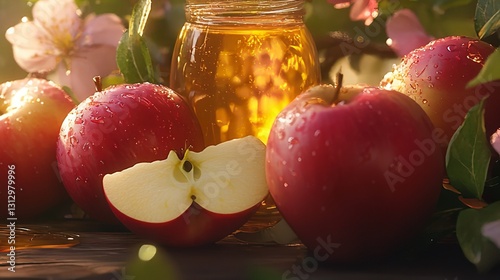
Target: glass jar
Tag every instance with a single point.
(239, 63)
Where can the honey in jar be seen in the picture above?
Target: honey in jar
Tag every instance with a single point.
(239, 63)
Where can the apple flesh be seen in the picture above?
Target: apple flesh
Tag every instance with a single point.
(115, 129)
(436, 75)
(360, 176)
(31, 113)
(194, 200)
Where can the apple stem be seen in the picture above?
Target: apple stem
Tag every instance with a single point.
(98, 83)
(338, 85)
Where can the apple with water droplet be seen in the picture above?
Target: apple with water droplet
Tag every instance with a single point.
(192, 200)
(355, 171)
(436, 76)
(31, 113)
(116, 128)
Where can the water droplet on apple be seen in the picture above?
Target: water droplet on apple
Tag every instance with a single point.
(290, 117)
(299, 159)
(97, 119)
(292, 141)
(451, 48)
(73, 140)
(301, 125)
(283, 162)
(285, 185)
(425, 101)
(317, 133)
(281, 133)
(78, 178)
(78, 120)
(474, 54)
(86, 146)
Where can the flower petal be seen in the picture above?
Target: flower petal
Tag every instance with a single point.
(406, 32)
(491, 231)
(105, 29)
(33, 51)
(363, 10)
(57, 17)
(340, 4)
(495, 141)
(85, 65)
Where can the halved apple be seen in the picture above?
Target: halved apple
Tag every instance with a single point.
(192, 201)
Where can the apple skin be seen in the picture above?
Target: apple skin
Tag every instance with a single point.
(196, 227)
(28, 135)
(328, 166)
(116, 128)
(436, 75)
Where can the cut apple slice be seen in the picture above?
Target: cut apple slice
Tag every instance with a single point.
(224, 182)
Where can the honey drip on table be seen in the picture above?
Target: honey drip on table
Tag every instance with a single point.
(35, 237)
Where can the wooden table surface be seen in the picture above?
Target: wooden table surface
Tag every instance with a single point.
(104, 253)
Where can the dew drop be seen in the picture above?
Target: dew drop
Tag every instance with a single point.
(78, 120)
(451, 48)
(86, 146)
(299, 159)
(281, 134)
(97, 119)
(474, 54)
(283, 162)
(425, 101)
(285, 185)
(301, 125)
(317, 133)
(292, 141)
(73, 140)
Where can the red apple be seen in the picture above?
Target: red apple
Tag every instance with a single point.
(354, 179)
(436, 75)
(31, 113)
(192, 200)
(115, 129)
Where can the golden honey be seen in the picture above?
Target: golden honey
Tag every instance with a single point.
(238, 70)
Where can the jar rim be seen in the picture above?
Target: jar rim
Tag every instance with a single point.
(261, 12)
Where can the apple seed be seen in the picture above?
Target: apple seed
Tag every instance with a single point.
(187, 166)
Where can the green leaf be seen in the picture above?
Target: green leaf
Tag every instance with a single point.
(132, 55)
(139, 17)
(134, 60)
(468, 154)
(490, 70)
(477, 248)
(71, 94)
(487, 18)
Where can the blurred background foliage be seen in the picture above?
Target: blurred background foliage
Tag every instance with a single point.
(329, 27)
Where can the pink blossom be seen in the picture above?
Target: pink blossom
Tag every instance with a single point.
(361, 9)
(58, 40)
(405, 32)
(495, 141)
